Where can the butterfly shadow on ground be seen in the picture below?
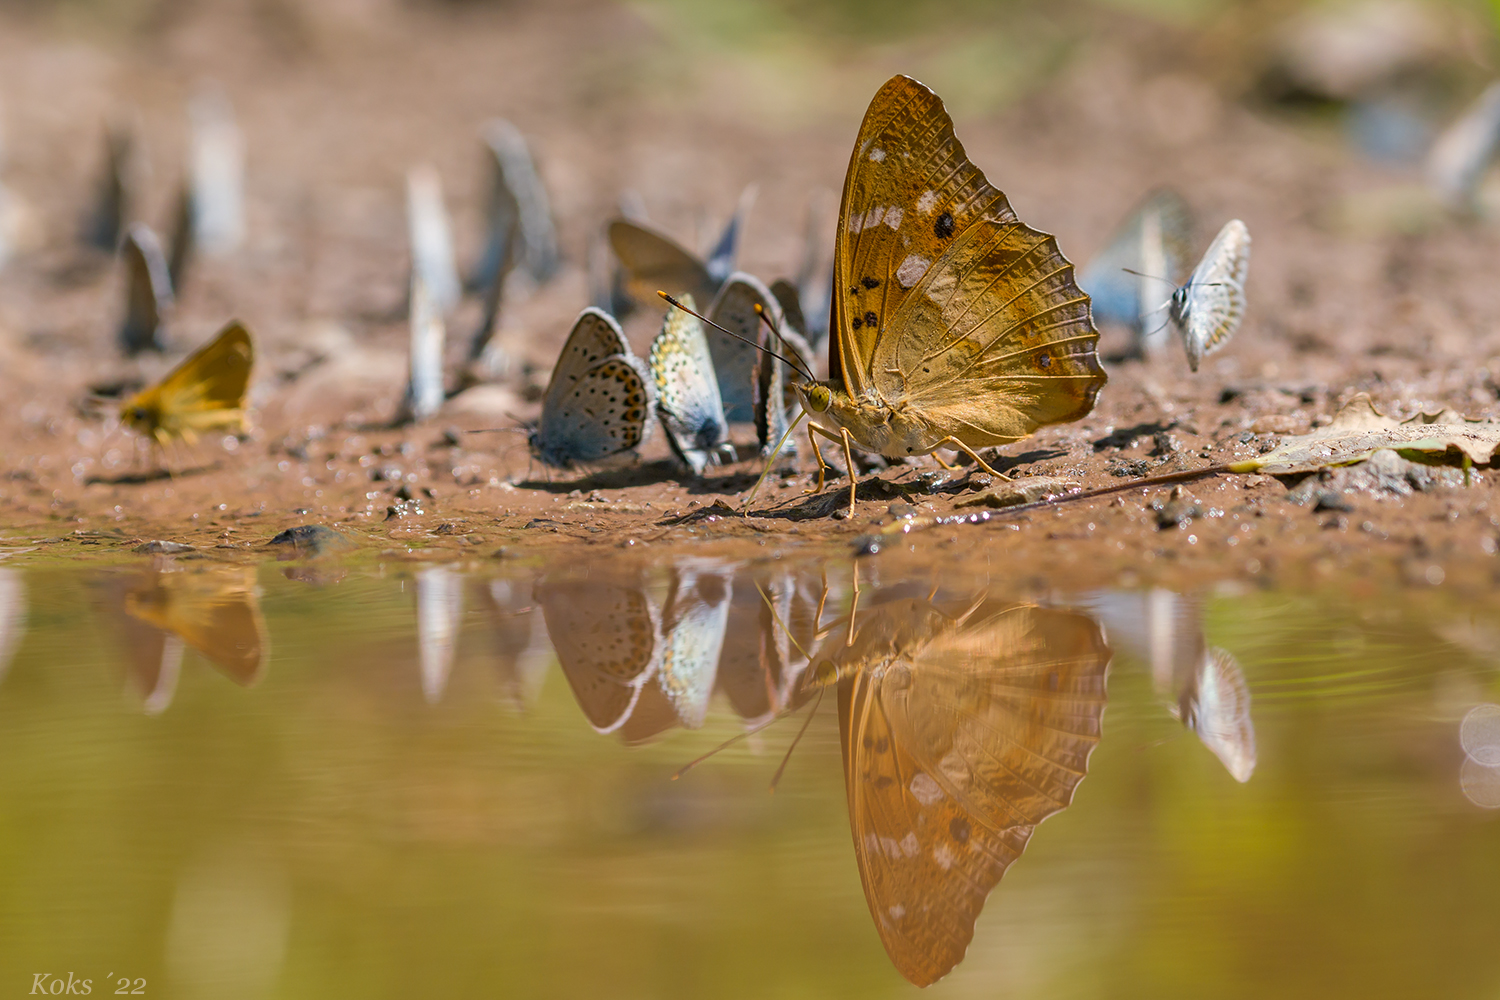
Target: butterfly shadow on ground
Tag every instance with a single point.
(149, 475)
(621, 477)
(824, 504)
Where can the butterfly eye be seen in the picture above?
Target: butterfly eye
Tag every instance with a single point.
(819, 398)
(139, 414)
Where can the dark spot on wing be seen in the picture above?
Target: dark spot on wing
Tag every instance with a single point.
(853, 289)
(870, 282)
(884, 781)
(857, 323)
(959, 828)
(882, 745)
(943, 227)
(871, 319)
(1044, 361)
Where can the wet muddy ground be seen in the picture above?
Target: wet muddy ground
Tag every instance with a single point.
(336, 103)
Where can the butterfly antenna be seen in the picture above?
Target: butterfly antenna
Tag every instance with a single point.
(776, 778)
(729, 333)
(771, 462)
(853, 608)
(684, 769)
(771, 325)
(1153, 277)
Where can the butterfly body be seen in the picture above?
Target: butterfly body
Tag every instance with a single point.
(1208, 310)
(954, 324)
(599, 399)
(206, 392)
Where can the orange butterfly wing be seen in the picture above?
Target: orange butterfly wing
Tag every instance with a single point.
(217, 613)
(942, 298)
(953, 753)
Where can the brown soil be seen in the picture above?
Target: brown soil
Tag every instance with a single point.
(338, 100)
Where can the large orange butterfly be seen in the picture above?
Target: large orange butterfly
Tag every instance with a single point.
(953, 324)
(961, 731)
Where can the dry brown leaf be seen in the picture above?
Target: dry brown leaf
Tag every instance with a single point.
(1359, 430)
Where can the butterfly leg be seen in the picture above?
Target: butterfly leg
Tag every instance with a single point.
(939, 460)
(958, 445)
(817, 454)
(849, 461)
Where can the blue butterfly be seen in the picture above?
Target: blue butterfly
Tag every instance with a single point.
(599, 399)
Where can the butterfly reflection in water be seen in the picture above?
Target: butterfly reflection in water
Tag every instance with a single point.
(214, 612)
(962, 728)
(640, 657)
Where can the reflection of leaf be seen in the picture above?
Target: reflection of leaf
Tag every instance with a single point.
(1359, 430)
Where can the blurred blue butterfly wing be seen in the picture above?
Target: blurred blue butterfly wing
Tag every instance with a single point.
(687, 391)
(1126, 299)
(736, 361)
(599, 400)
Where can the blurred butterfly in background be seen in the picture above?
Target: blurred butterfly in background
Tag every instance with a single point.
(428, 340)
(519, 218)
(148, 291)
(599, 400)
(954, 325)
(652, 260)
(640, 664)
(430, 235)
(118, 186)
(1462, 154)
(521, 235)
(1151, 248)
(962, 729)
(805, 301)
(205, 392)
(687, 391)
(1208, 310)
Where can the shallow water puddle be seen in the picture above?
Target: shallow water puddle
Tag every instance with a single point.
(420, 781)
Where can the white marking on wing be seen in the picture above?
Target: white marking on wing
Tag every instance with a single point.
(926, 203)
(897, 912)
(893, 217)
(909, 845)
(943, 855)
(877, 156)
(911, 270)
(925, 790)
